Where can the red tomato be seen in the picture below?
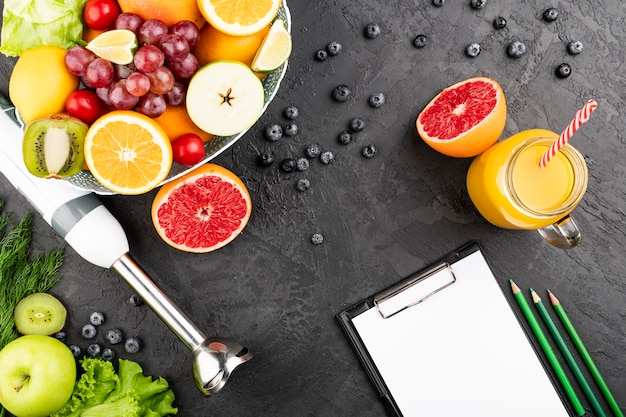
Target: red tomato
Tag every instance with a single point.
(101, 14)
(84, 105)
(188, 149)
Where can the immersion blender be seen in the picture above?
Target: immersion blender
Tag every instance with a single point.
(78, 216)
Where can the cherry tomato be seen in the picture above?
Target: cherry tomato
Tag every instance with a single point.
(101, 14)
(84, 105)
(188, 149)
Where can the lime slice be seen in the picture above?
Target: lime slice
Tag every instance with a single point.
(274, 50)
(117, 46)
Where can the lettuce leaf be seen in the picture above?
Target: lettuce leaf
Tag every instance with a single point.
(33, 23)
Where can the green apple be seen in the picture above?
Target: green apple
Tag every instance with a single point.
(37, 375)
(225, 98)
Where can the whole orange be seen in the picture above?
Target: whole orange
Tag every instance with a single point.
(176, 121)
(214, 45)
(167, 11)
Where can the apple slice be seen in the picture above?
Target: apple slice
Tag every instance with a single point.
(225, 98)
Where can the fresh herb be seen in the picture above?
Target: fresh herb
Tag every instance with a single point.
(19, 276)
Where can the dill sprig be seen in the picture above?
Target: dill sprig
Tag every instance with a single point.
(20, 276)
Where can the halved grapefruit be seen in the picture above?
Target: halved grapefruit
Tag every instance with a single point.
(203, 210)
(464, 119)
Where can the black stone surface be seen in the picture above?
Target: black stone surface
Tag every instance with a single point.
(382, 218)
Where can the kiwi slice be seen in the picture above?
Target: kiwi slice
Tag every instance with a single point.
(39, 313)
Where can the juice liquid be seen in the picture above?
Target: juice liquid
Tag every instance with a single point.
(511, 190)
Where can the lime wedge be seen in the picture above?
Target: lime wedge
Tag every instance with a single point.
(117, 46)
(274, 50)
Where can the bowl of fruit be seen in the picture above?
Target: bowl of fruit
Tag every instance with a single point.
(159, 92)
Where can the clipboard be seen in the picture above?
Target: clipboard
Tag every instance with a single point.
(446, 342)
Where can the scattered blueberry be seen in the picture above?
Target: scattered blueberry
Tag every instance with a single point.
(96, 318)
(376, 100)
(369, 151)
(62, 336)
(516, 49)
(303, 184)
(344, 137)
(291, 112)
(108, 354)
(302, 164)
(327, 157)
(317, 238)
(372, 30)
(550, 14)
(291, 129)
(575, 47)
(420, 41)
(265, 158)
(499, 22)
(76, 351)
(132, 345)
(472, 50)
(438, 3)
(135, 300)
(94, 349)
(114, 336)
(289, 165)
(88, 331)
(341, 93)
(357, 124)
(313, 150)
(478, 4)
(564, 70)
(333, 48)
(321, 55)
(273, 132)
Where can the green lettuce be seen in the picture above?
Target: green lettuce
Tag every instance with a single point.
(100, 392)
(30, 24)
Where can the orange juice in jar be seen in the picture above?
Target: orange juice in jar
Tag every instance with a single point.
(511, 190)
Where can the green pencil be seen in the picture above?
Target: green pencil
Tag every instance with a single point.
(585, 355)
(543, 341)
(543, 312)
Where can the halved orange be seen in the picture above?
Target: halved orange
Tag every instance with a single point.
(239, 17)
(128, 152)
(464, 119)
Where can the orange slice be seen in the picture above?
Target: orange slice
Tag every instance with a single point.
(239, 17)
(128, 152)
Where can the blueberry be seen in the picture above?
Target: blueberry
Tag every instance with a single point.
(313, 150)
(273, 133)
(420, 41)
(478, 4)
(333, 48)
(372, 30)
(376, 100)
(94, 349)
(369, 151)
(564, 70)
(288, 165)
(96, 318)
(344, 137)
(108, 354)
(327, 157)
(438, 3)
(516, 49)
(135, 300)
(88, 331)
(341, 93)
(472, 50)
(499, 22)
(265, 158)
(302, 164)
(303, 184)
(114, 336)
(357, 124)
(291, 112)
(76, 351)
(321, 55)
(132, 345)
(61, 336)
(550, 14)
(317, 238)
(575, 47)
(291, 129)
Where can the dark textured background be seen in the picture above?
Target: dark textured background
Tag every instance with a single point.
(382, 218)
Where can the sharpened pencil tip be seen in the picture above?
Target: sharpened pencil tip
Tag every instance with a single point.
(514, 287)
(553, 298)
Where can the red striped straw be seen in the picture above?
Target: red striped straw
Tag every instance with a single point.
(582, 116)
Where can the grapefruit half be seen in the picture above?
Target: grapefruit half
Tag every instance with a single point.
(464, 119)
(203, 210)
